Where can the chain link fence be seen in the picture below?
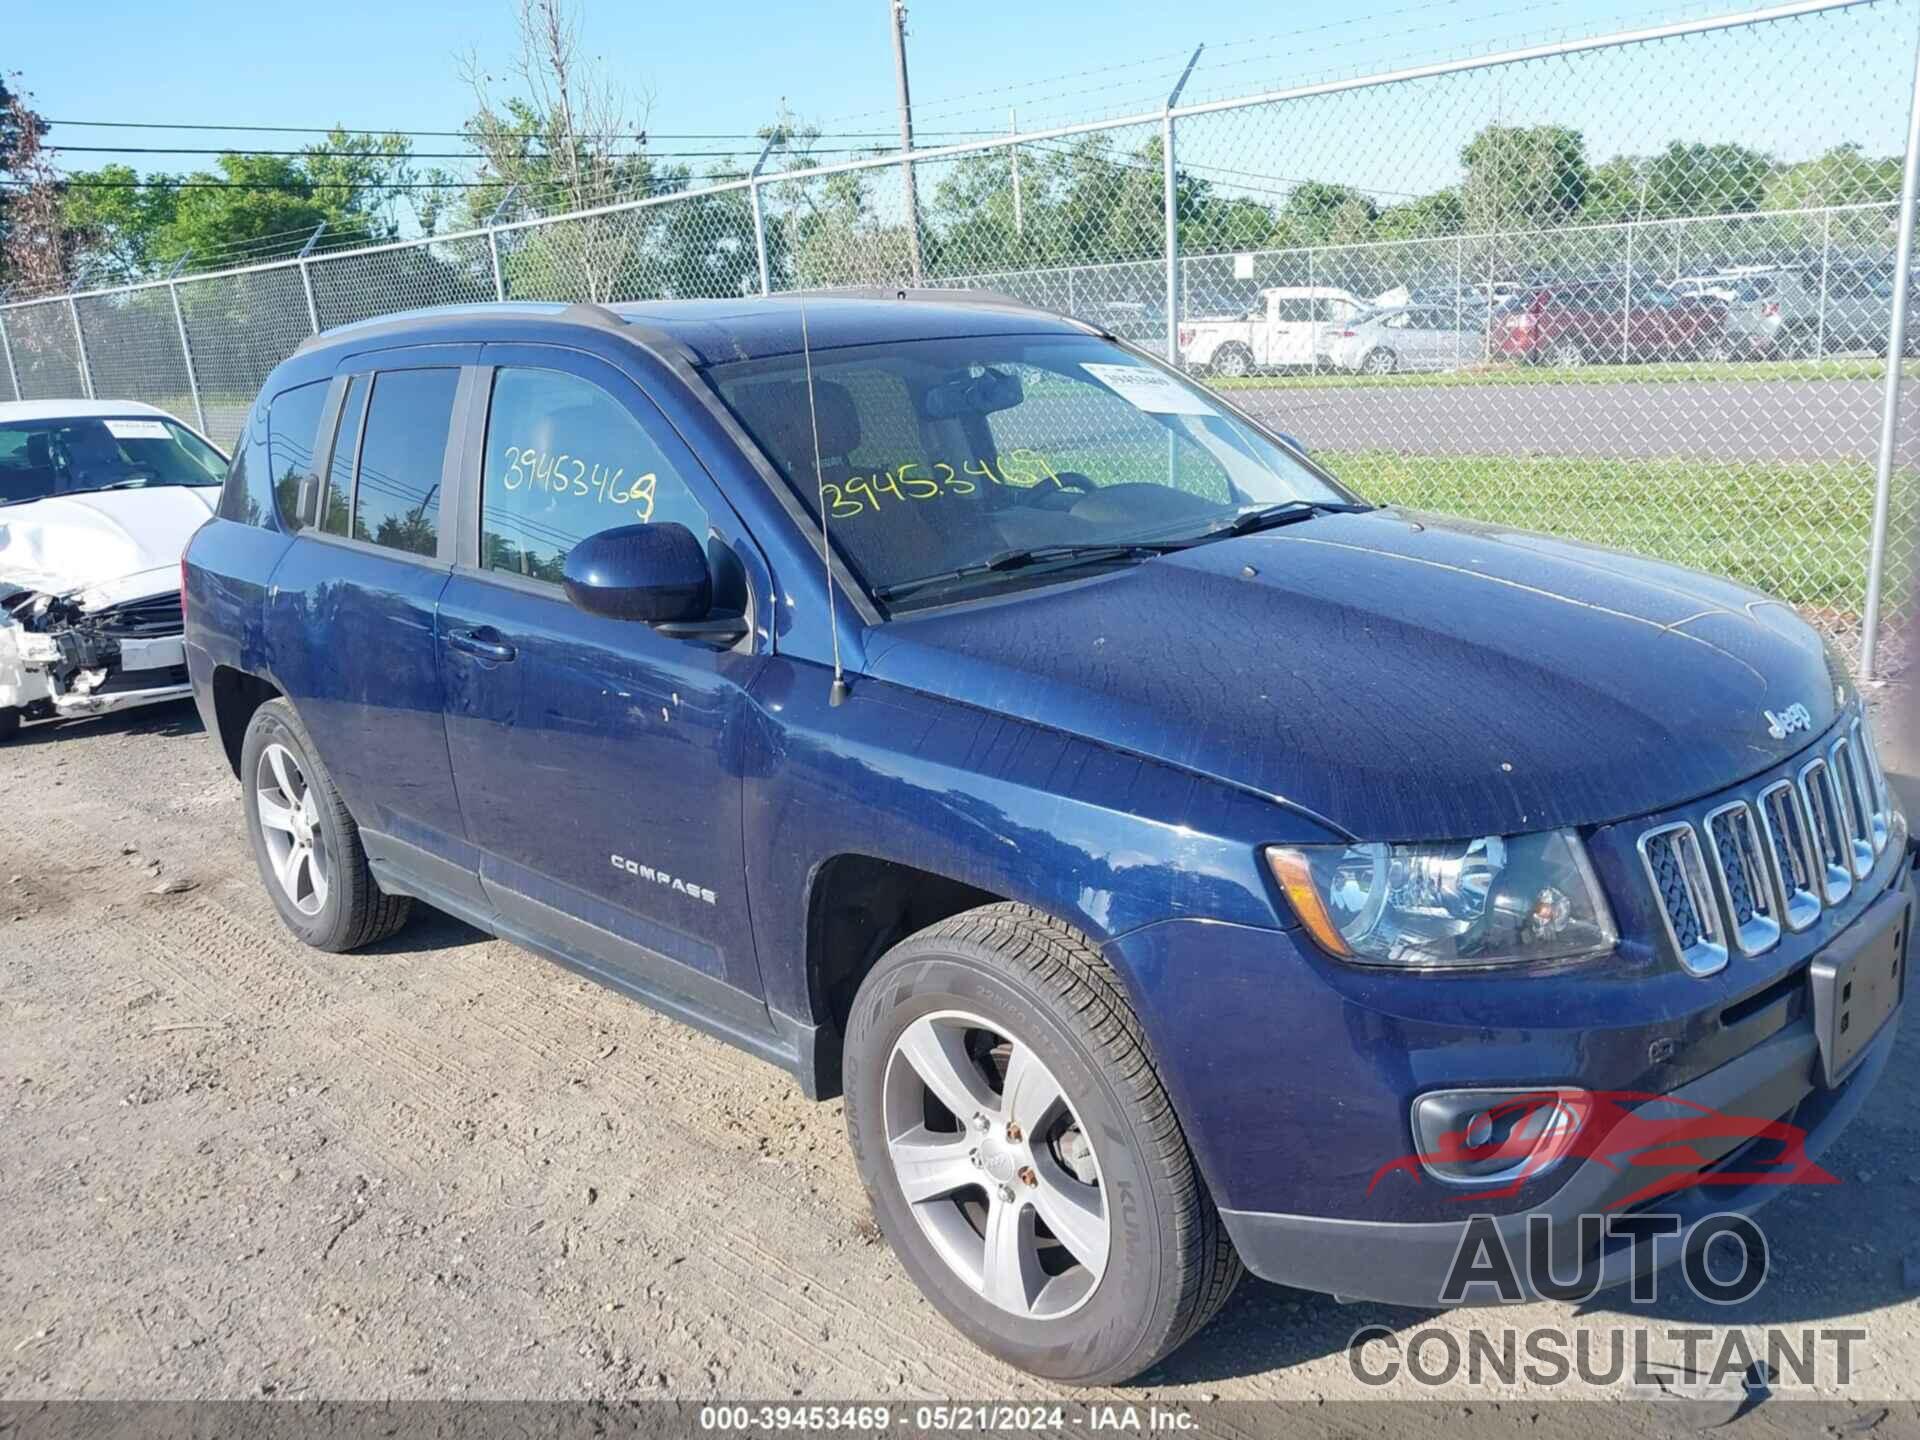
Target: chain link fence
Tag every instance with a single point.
(1640, 290)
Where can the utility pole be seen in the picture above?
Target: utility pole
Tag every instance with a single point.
(906, 134)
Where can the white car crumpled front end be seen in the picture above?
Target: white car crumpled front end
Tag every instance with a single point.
(90, 599)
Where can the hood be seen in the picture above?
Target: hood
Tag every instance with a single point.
(1402, 676)
(75, 542)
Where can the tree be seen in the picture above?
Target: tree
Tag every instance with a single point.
(563, 143)
(249, 207)
(1424, 218)
(1523, 178)
(1842, 176)
(35, 251)
(566, 140)
(119, 224)
(1317, 212)
(1697, 179)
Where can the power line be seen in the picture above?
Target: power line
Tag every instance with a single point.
(293, 185)
(418, 154)
(641, 135)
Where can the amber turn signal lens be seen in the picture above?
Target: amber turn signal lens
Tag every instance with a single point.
(1290, 868)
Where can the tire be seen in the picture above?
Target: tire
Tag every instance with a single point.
(333, 903)
(1801, 342)
(1007, 973)
(1566, 355)
(1232, 362)
(9, 722)
(1379, 362)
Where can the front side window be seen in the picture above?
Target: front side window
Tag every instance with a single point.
(396, 494)
(39, 458)
(566, 460)
(952, 455)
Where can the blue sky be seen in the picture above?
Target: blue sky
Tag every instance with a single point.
(726, 67)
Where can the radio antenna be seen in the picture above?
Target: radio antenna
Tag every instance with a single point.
(838, 693)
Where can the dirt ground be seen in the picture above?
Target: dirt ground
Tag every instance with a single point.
(234, 1167)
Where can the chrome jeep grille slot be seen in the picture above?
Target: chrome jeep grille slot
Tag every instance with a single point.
(1741, 865)
(1790, 849)
(1879, 811)
(1773, 860)
(1856, 809)
(1832, 849)
(1679, 875)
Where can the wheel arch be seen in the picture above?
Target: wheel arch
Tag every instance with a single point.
(1231, 347)
(858, 907)
(237, 694)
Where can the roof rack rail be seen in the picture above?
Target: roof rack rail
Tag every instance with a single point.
(938, 293)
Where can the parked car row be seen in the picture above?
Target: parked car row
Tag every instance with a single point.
(1753, 312)
(1797, 312)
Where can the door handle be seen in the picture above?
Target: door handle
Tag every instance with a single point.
(484, 642)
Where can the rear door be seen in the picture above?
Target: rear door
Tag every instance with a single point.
(352, 614)
(598, 761)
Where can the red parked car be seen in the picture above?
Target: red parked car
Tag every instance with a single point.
(1600, 322)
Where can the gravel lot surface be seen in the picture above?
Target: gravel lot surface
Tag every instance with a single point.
(235, 1167)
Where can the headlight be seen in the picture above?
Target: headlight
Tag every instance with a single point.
(1499, 900)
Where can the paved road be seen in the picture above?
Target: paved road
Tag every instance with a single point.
(238, 1167)
(1777, 420)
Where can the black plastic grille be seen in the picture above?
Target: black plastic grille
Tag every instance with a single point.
(1789, 841)
(1733, 864)
(140, 619)
(1847, 776)
(1670, 879)
(1828, 833)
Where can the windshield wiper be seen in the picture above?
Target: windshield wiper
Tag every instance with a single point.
(1084, 554)
(1269, 517)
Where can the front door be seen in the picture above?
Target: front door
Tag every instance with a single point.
(1290, 332)
(598, 762)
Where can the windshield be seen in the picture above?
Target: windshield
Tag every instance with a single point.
(39, 458)
(945, 455)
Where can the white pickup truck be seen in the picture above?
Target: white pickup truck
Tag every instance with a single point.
(1292, 325)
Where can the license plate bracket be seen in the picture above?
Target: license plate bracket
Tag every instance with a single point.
(1857, 983)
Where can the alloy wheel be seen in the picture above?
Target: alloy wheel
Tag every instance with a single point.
(290, 826)
(995, 1165)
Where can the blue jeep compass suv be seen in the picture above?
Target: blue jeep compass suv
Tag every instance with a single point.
(1178, 863)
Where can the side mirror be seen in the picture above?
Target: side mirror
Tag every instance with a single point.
(1292, 441)
(654, 573)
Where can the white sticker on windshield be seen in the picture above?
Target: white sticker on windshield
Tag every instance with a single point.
(1153, 391)
(138, 430)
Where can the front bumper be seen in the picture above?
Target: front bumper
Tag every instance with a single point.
(1407, 1263)
(38, 677)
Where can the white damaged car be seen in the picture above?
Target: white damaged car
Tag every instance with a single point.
(97, 501)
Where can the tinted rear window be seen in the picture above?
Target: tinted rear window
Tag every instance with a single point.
(338, 496)
(293, 421)
(397, 497)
